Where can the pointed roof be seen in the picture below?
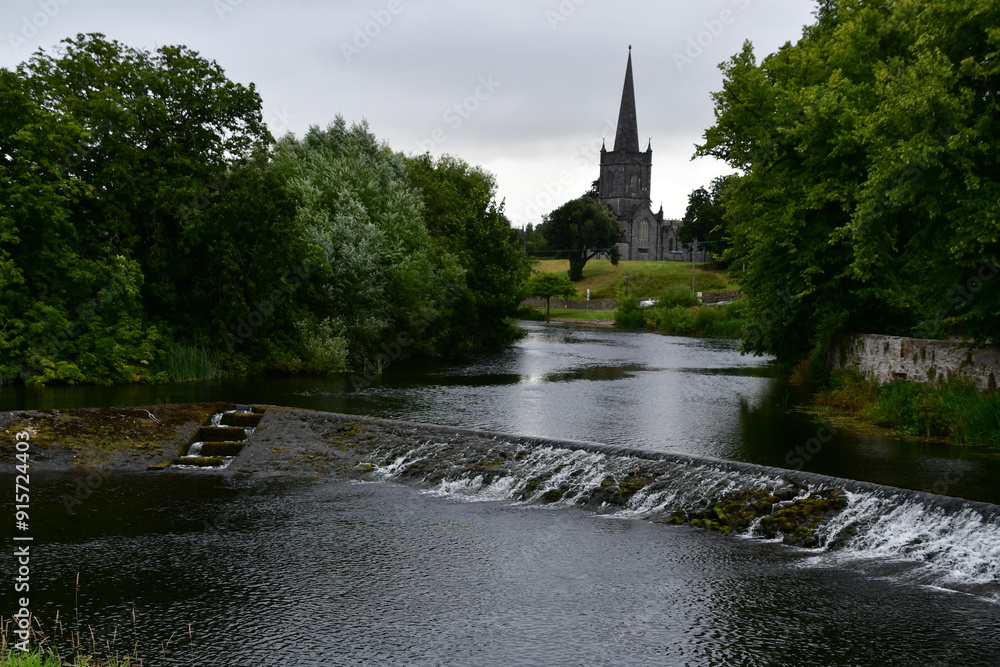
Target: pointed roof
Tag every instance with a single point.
(627, 136)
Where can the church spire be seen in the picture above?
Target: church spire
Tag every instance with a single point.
(627, 136)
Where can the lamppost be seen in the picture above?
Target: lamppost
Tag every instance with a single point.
(626, 284)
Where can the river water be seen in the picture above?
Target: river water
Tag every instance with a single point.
(213, 570)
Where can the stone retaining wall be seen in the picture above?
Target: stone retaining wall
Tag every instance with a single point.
(886, 358)
(593, 304)
(718, 297)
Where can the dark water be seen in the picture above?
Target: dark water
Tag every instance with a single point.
(323, 573)
(275, 571)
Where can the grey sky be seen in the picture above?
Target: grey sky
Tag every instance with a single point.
(525, 89)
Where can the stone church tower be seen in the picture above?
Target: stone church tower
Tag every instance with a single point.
(624, 185)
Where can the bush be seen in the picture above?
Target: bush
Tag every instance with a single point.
(677, 295)
(629, 315)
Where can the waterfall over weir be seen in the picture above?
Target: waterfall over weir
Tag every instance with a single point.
(911, 536)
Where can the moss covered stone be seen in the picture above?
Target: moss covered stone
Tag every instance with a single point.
(795, 520)
(241, 419)
(219, 434)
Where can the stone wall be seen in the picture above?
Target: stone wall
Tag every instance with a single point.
(885, 358)
(718, 297)
(593, 304)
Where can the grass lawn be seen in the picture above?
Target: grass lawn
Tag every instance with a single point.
(581, 314)
(646, 279)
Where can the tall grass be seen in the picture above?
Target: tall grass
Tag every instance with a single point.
(184, 363)
(44, 651)
(954, 409)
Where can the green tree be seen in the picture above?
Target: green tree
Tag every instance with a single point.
(549, 285)
(704, 218)
(375, 270)
(534, 240)
(867, 200)
(581, 229)
(462, 214)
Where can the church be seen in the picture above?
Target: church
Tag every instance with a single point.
(624, 187)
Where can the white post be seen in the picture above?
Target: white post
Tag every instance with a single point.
(588, 294)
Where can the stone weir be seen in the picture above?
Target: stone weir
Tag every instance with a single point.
(938, 540)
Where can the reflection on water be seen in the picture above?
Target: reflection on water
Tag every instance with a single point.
(688, 395)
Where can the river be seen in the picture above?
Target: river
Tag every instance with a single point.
(242, 571)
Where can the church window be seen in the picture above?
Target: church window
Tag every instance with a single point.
(670, 244)
(633, 185)
(644, 233)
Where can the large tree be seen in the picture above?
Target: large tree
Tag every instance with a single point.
(581, 229)
(869, 183)
(463, 215)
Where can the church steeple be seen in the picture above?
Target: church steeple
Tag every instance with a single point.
(627, 135)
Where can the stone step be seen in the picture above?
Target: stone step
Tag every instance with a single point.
(219, 434)
(199, 461)
(242, 419)
(221, 448)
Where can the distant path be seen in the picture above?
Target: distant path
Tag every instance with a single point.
(572, 320)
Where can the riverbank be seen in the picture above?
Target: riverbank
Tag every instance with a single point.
(954, 411)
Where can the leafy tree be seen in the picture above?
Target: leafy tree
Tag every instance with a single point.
(375, 270)
(534, 240)
(549, 285)
(462, 214)
(581, 229)
(161, 131)
(704, 219)
(869, 187)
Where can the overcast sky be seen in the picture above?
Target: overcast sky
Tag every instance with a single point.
(525, 89)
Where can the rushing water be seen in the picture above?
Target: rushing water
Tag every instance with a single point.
(238, 571)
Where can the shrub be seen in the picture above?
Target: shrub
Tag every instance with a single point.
(629, 315)
(677, 295)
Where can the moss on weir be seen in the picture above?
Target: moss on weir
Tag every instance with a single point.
(95, 436)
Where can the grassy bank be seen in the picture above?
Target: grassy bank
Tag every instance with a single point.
(583, 314)
(646, 279)
(954, 410)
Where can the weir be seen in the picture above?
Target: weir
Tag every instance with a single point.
(919, 537)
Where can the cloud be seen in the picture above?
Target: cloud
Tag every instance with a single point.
(559, 64)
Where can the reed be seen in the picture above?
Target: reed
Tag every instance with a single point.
(185, 363)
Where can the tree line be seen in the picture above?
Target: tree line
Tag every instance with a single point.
(152, 229)
(868, 176)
